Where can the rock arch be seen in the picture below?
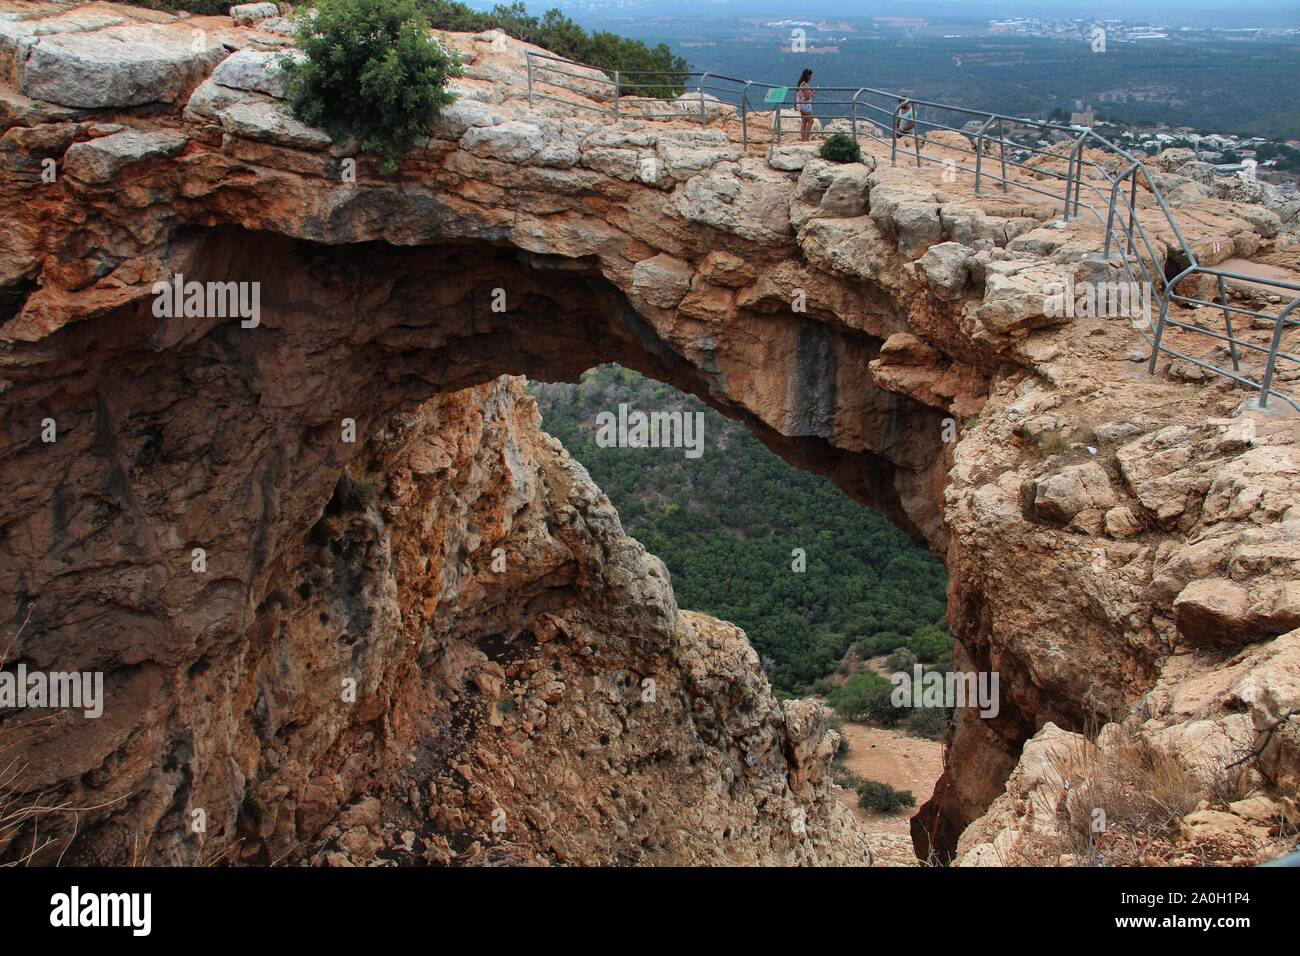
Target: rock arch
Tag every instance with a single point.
(478, 691)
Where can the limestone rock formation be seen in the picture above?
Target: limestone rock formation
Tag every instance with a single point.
(379, 515)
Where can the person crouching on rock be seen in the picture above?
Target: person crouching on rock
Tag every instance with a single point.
(803, 96)
(904, 122)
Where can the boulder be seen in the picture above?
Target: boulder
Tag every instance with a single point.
(944, 267)
(101, 160)
(271, 122)
(209, 99)
(246, 14)
(282, 26)
(687, 152)
(969, 226)
(850, 247)
(689, 103)
(622, 164)
(909, 213)
(561, 153)
(1217, 611)
(848, 191)
(661, 280)
(1016, 300)
(460, 116)
(1076, 488)
(791, 157)
(814, 180)
(513, 141)
(711, 199)
(257, 71)
(118, 66)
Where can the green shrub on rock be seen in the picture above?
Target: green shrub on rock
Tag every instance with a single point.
(841, 148)
(370, 70)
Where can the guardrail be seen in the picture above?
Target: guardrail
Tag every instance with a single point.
(1010, 144)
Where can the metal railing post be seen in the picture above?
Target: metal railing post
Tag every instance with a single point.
(1160, 334)
(1132, 203)
(855, 114)
(916, 134)
(1227, 320)
(1272, 353)
(893, 142)
(1002, 148)
(979, 153)
(1074, 169)
(1078, 184)
(703, 120)
(1170, 289)
(744, 114)
(616, 92)
(1110, 214)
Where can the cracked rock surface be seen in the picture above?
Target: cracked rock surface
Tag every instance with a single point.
(431, 643)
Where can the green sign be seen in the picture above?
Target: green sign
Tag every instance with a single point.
(776, 94)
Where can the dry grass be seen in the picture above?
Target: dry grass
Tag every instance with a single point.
(1123, 799)
(24, 814)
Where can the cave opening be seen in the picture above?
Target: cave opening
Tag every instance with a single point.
(833, 598)
(265, 447)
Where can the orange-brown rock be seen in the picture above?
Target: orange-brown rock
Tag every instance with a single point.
(854, 317)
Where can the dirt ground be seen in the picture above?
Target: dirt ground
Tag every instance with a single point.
(904, 762)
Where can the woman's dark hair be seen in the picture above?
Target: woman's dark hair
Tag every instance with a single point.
(805, 76)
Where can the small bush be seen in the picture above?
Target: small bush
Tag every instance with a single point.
(821, 687)
(845, 777)
(371, 70)
(841, 148)
(900, 660)
(881, 643)
(866, 696)
(932, 646)
(881, 797)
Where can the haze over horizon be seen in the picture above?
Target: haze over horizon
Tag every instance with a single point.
(1194, 13)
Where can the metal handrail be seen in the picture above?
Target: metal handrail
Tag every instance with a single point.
(1126, 243)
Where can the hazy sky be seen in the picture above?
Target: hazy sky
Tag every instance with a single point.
(1219, 13)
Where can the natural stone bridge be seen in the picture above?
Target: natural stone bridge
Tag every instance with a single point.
(1121, 547)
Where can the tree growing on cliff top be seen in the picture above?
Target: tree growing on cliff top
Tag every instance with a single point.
(371, 70)
(658, 71)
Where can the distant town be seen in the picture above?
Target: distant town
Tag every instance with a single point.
(1255, 156)
(1121, 31)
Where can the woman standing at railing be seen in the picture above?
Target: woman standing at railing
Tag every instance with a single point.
(803, 96)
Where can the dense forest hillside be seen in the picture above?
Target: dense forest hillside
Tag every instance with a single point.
(727, 524)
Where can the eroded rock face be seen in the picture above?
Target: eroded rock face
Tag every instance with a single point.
(879, 325)
(447, 606)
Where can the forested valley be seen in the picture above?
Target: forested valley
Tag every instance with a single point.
(728, 523)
